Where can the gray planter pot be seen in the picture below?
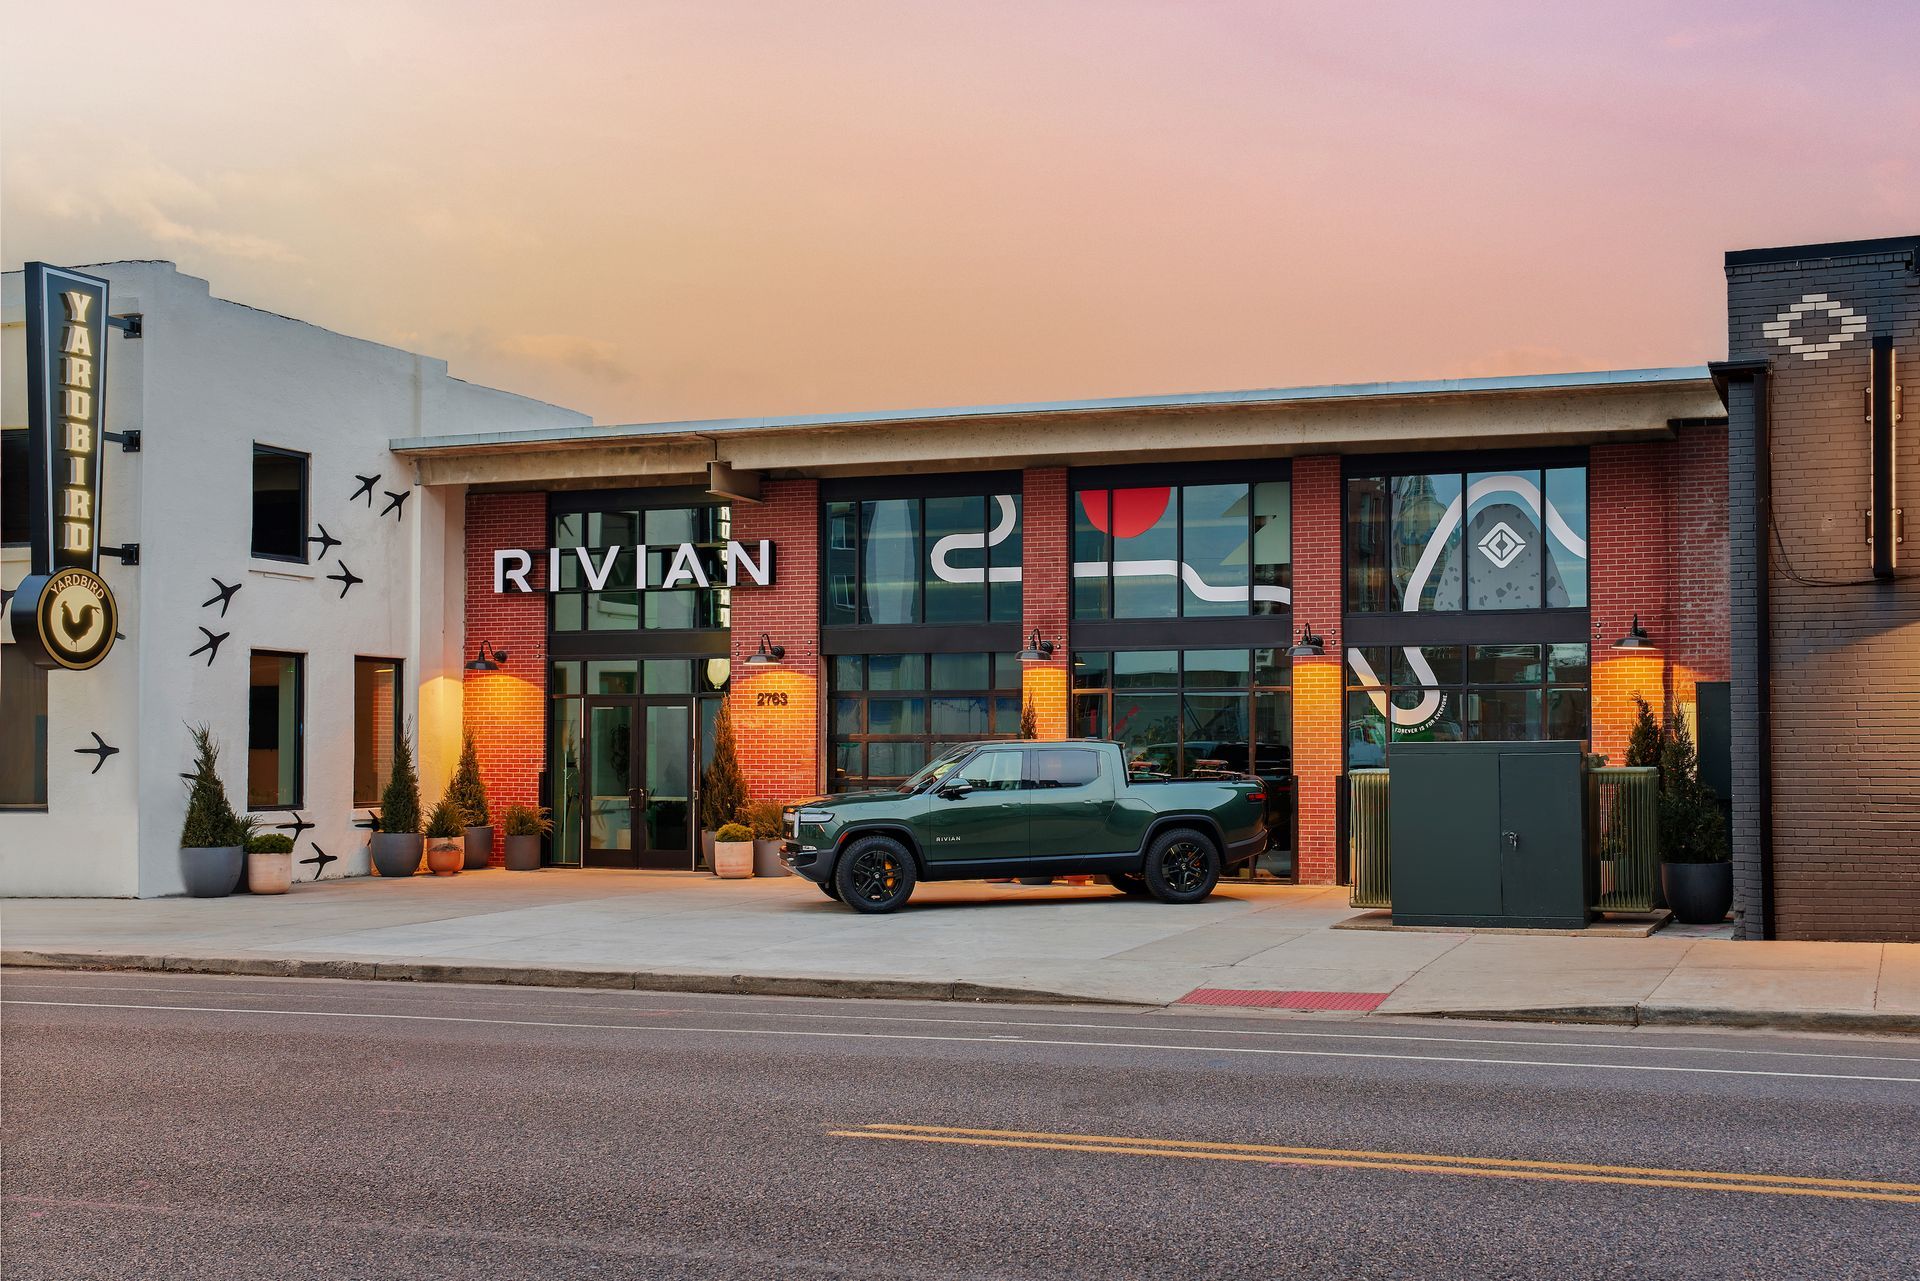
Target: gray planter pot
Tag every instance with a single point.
(706, 851)
(766, 859)
(479, 848)
(1698, 893)
(397, 853)
(523, 853)
(211, 871)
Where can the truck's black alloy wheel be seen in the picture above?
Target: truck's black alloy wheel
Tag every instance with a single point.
(874, 875)
(1183, 866)
(1129, 883)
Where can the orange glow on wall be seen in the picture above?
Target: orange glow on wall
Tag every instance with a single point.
(1044, 686)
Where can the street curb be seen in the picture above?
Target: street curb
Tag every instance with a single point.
(1637, 1015)
(548, 976)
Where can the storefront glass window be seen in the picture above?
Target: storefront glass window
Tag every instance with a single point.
(942, 560)
(274, 730)
(891, 713)
(668, 597)
(1197, 713)
(1424, 531)
(376, 726)
(1566, 493)
(1443, 541)
(23, 730)
(1450, 693)
(564, 780)
(1194, 551)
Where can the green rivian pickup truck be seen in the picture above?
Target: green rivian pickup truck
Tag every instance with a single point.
(1019, 808)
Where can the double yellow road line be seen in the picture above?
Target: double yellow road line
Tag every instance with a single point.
(1407, 1162)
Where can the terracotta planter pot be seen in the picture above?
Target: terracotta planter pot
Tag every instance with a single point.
(270, 873)
(523, 853)
(1699, 893)
(766, 858)
(479, 851)
(211, 871)
(733, 860)
(445, 854)
(396, 853)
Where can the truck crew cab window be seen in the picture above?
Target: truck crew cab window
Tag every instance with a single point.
(991, 772)
(1069, 768)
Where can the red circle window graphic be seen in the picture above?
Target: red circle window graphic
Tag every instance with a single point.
(1125, 513)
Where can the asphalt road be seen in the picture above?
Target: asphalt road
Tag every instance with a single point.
(193, 1127)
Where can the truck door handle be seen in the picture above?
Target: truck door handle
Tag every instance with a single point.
(1512, 839)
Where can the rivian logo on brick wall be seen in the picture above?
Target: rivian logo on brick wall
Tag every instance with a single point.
(1501, 545)
(1783, 329)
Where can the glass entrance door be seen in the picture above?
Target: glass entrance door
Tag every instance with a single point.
(638, 802)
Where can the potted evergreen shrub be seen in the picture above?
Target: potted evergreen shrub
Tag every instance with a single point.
(733, 852)
(723, 788)
(764, 818)
(446, 838)
(396, 846)
(523, 826)
(213, 839)
(469, 793)
(270, 863)
(1696, 870)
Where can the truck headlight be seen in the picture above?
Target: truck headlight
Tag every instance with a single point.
(815, 818)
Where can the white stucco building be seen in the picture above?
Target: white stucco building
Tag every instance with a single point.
(257, 433)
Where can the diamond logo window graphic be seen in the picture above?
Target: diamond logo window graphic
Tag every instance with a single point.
(1501, 545)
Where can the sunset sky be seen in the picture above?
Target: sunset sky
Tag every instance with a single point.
(653, 210)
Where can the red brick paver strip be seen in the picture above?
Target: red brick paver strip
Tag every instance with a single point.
(1283, 1000)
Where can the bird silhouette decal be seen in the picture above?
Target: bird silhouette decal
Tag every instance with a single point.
(6, 594)
(298, 825)
(77, 626)
(372, 824)
(395, 503)
(211, 646)
(100, 749)
(366, 487)
(222, 597)
(327, 541)
(319, 861)
(346, 578)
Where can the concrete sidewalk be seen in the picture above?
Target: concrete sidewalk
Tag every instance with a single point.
(964, 940)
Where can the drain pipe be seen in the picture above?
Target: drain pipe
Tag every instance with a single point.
(1754, 372)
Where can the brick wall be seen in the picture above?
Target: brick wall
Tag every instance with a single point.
(1318, 724)
(1844, 649)
(1046, 594)
(776, 710)
(506, 710)
(1657, 546)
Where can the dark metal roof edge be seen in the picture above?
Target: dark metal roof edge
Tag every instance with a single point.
(1831, 249)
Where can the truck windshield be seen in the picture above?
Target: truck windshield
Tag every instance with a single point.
(936, 769)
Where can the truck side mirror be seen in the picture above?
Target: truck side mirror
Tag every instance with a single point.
(956, 789)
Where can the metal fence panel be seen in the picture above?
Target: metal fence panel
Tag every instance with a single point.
(1367, 837)
(1626, 835)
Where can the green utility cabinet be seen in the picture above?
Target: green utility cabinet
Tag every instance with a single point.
(1490, 834)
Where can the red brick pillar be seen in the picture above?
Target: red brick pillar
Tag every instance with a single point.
(776, 710)
(507, 710)
(1317, 684)
(1046, 593)
(1657, 547)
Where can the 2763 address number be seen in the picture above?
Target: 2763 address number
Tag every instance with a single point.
(770, 698)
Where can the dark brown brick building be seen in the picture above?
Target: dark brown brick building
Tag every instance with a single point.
(1826, 652)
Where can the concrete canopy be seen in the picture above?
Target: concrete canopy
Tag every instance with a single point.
(1479, 413)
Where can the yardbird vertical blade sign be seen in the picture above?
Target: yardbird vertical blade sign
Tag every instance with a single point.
(64, 609)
